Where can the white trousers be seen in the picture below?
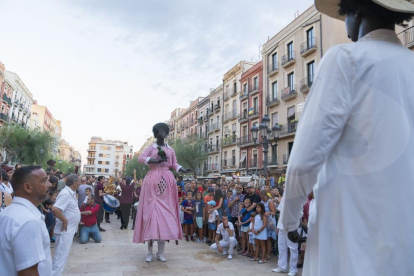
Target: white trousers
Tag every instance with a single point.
(62, 249)
(161, 247)
(228, 245)
(284, 243)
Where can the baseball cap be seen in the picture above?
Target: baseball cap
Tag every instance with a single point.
(212, 203)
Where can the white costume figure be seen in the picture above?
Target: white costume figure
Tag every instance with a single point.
(355, 148)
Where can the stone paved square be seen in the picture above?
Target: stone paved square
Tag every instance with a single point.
(116, 255)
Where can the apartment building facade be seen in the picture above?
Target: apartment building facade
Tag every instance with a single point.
(107, 157)
(230, 131)
(252, 110)
(214, 126)
(290, 62)
(20, 112)
(202, 111)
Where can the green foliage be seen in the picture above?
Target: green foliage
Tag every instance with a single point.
(141, 169)
(190, 155)
(64, 167)
(25, 146)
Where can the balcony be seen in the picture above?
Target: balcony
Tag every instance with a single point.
(253, 163)
(21, 106)
(306, 84)
(271, 101)
(285, 159)
(229, 162)
(254, 89)
(228, 141)
(243, 116)
(215, 127)
(273, 162)
(217, 107)
(200, 120)
(244, 94)
(191, 122)
(4, 117)
(207, 115)
(230, 115)
(243, 165)
(254, 113)
(171, 127)
(91, 157)
(227, 95)
(7, 99)
(245, 141)
(234, 92)
(210, 112)
(212, 167)
(407, 37)
(213, 148)
(308, 47)
(289, 128)
(272, 69)
(288, 60)
(289, 93)
(92, 149)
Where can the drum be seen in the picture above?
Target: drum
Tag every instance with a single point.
(110, 203)
(136, 205)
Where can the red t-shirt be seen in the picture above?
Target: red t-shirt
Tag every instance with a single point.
(89, 220)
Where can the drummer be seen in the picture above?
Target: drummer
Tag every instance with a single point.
(99, 193)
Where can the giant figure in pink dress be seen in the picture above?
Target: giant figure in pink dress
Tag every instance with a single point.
(157, 217)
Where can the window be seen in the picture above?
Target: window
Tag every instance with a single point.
(233, 128)
(99, 162)
(290, 80)
(311, 68)
(106, 170)
(254, 159)
(104, 155)
(274, 90)
(275, 118)
(218, 120)
(245, 132)
(255, 105)
(245, 88)
(99, 170)
(291, 113)
(274, 61)
(256, 83)
(225, 158)
(226, 109)
(105, 148)
(309, 38)
(290, 50)
(233, 157)
(235, 87)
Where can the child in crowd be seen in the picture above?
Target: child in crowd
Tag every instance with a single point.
(244, 220)
(88, 192)
(226, 204)
(200, 188)
(181, 193)
(212, 220)
(49, 218)
(250, 251)
(53, 195)
(260, 233)
(187, 207)
(200, 215)
(180, 211)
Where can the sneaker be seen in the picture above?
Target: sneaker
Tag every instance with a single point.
(204, 239)
(149, 258)
(279, 270)
(198, 241)
(224, 252)
(161, 258)
(230, 257)
(101, 229)
(192, 239)
(52, 239)
(292, 273)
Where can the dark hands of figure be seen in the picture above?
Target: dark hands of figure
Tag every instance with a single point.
(185, 170)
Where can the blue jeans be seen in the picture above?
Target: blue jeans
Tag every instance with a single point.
(92, 231)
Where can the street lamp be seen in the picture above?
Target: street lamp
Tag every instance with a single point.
(265, 134)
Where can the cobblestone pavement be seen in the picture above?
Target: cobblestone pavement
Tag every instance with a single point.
(116, 255)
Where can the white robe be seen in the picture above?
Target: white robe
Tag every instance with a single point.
(355, 147)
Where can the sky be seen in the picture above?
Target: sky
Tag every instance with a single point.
(115, 68)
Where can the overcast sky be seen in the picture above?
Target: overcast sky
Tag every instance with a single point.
(115, 68)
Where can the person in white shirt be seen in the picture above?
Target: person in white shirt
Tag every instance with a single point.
(354, 147)
(67, 215)
(24, 240)
(229, 241)
(5, 185)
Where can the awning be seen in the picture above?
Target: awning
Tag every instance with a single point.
(243, 157)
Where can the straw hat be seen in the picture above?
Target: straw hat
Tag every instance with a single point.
(331, 8)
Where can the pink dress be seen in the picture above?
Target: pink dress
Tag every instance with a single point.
(157, 214)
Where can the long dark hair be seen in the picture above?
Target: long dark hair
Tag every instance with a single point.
(217, 194)
(262, 209)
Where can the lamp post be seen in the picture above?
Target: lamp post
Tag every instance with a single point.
(266, 135)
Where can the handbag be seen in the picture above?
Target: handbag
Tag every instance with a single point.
(270, 225)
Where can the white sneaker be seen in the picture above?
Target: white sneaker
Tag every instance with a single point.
(279, 270)
(224, 252)
(161, 258)
(149, 258)
(291, 273)
(230, 257)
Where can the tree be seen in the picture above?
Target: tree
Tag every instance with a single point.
(190, 154)
(141, 169)
(24, 145)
